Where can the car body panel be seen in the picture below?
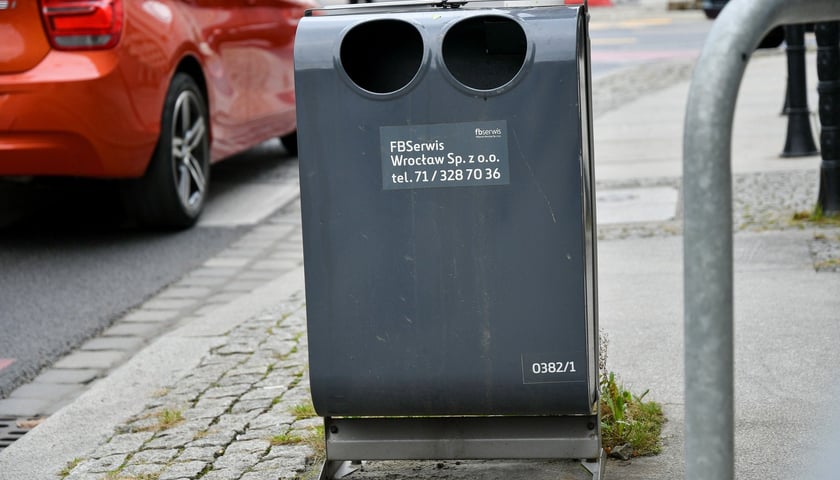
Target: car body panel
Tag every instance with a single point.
(48, 125)
(97, 113)
(23, 43)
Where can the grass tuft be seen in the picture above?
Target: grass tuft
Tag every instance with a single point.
(817, 216)
(315, 441)
(116, 475)
(168, 418)
(629, 419)
(69, 467)
(827, 264)
(303, 411)
(286, 439)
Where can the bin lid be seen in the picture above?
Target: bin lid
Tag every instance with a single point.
(403, 5)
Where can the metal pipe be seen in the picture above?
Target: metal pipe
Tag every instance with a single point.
(707, 190)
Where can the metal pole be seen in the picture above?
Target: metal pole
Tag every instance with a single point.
(828, 71)
(707, 189)
(800, 140)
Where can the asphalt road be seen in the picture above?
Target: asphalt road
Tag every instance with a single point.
(620, 40)
(70, 265)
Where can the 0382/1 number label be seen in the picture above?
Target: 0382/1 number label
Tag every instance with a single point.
(539, 368)
(557, 367)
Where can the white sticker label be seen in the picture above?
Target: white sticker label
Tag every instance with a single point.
(445, 155)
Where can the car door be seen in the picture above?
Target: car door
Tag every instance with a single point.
(274, 23)
(227, 47)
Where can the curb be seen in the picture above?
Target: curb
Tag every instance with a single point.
(89, 422)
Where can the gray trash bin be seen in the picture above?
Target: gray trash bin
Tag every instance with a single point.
(448, 212)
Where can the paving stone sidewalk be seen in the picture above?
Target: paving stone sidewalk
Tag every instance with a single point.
(243, 413)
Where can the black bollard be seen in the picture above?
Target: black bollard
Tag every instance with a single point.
(828, 71)
(786, 106)
(800, 140)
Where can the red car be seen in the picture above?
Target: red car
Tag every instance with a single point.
(148, 90)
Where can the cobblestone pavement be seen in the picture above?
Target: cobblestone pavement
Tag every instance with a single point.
(243, 413)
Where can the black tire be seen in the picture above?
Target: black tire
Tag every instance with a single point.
(173, 191)
(290, 143)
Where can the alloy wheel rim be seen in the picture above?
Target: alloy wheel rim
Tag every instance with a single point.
(189, 151)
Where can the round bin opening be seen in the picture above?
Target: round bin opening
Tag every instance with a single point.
(382, 56)
(484, 52)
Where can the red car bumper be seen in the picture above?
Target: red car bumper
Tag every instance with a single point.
(49, 126)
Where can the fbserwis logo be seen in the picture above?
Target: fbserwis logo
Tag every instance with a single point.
(488, 133)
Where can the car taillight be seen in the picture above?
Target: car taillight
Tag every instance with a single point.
(83, 24)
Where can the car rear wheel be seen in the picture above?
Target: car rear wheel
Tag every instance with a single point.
(172, 192)
(290, 143)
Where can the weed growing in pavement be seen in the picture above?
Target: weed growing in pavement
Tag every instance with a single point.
(629, 419)
(827, 264)
(286, 439)
(303, 411)
(168, 418)
(817, 216)
(116, 475)
(163, 419)
(69, 467)
(298, 376)
(315, 441)
(827, 243)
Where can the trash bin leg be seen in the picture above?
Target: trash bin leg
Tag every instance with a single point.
(335, 469)
(595, 466)
(462, 438)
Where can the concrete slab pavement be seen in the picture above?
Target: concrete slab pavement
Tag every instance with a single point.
(644, 139)
(786, 329)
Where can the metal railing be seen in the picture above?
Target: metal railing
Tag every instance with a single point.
(708, 255)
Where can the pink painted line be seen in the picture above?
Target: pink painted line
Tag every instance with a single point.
(5, 362)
